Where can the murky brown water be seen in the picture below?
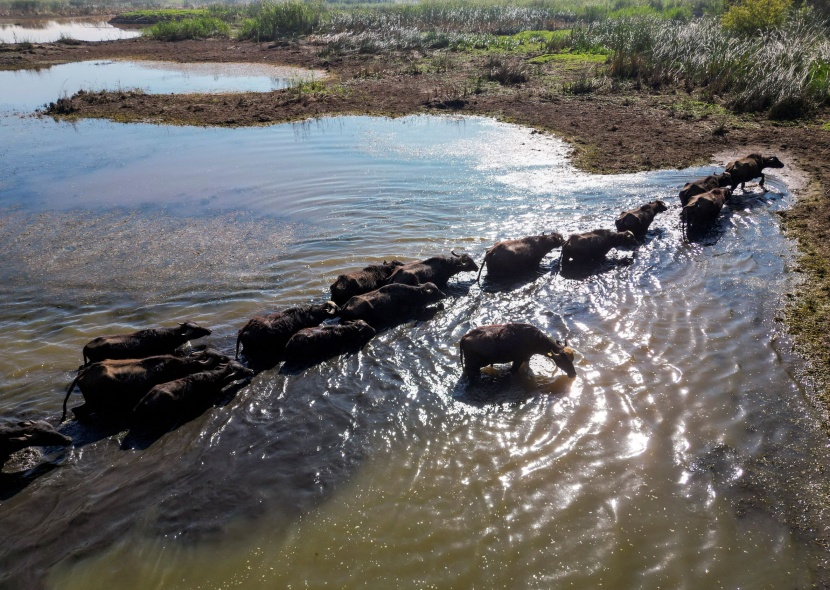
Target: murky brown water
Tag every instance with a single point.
(684, 455)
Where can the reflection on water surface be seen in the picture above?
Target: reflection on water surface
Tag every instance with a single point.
(676, 459)
(51, 30)
(25, 90)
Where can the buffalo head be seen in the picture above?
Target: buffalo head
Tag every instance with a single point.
(772, 162)
(465, 262)
(628, 239)
(38, 433)
(563, 356)
(660, 206)
(724, 179)
(192, 331)
(554, 240)
(431, 292)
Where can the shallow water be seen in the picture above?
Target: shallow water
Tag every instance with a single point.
(678, 457)
(51, 30)
(25, 90)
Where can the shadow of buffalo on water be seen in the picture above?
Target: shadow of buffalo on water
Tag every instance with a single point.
(15, 482)
(517, 281)
(580, 271)
(502, 386)
(710, 235)
(752, 199)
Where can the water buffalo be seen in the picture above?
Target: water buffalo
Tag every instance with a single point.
(263, 338)
(511, 343)
(168, 402)
(507, 258)
(142, 344)
(390, 304)
(311, 345)
(592, 246)
(114, 386)
(31, 433)
(436, 270)
(359, 282)
(745, 169)
(702, 210)
(638, 220)
(704, 185)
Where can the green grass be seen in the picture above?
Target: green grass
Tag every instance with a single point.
(570, 58)
(163, 14)
(192, 28)
(826, 126)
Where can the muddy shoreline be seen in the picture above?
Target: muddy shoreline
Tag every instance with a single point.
(615, 129)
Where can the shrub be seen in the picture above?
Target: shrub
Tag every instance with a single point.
(751, 16)
(505, 71)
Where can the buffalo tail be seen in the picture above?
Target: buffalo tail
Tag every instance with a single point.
(68, 393)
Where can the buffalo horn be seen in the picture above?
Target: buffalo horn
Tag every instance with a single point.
(454, 254)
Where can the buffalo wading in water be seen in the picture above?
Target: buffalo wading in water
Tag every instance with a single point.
(746, 169)
(313, 345)
(511, 257)
(31, 433)
(591, 247)
(143, 343)
(358, 282)
(511, 343)
(437, 270)
(638, 220)
(391, 304)
(264, 337)
(167, 403)
(702, 210)
(704, 185)
(114, 386)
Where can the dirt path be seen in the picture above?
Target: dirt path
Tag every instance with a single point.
(611, 130)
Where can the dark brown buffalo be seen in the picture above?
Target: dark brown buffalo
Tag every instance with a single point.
(745, 169)
(437, 270)
(31, 433)
(358, 282)
(638, 220)
(168, 402)
(511, 343)
(704, 185)
(510, 257)
(702, 210)
(313, 345)
(264, 337)
(115, 386)
(592, 246)
(391, 304)
(142, 344)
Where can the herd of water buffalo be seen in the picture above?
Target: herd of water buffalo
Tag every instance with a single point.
(141, 379)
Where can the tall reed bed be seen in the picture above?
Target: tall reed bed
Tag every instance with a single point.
(784, 71)
(446, 17)
(275, 20)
